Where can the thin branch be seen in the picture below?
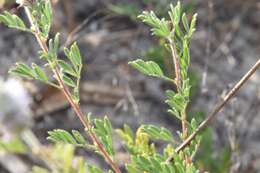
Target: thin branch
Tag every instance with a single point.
(74, 34)
(218, 107)
(68, 96)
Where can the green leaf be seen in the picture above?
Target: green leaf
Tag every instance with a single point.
(66, 68)
(126, 134)
(159, 26)
(80, 139)
(142, 163)
(73, 54)
(67, 52)
(81, 166)
(103, 130)
(48, 12)
(185, 22)
(23, 70)
(53, 48)
(94, 169)
(192, 25)
(42, 14)
(13, 146)
(158, 133)
(76, 54)
(125, 9)
(150, 18)
(176, 100)
(74, 138)
(13, 21)
(67, 157)
(44, 55)
(132, 169)
(185, 60)
(149, 68)
(108, 125)
(179, 32)
(75, 94)
(175, 13)
(194, 124)
(40, 75)
(59, 135)
(151, 164)
(68, 81)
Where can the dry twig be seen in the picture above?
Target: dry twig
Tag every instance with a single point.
(218, 107)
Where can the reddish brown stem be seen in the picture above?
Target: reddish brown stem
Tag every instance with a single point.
(218, 107)
(75, 106)
(177, 69)
(176, 64)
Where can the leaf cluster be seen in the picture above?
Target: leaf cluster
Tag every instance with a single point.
(74, 138)
(103, 129)
(13, 21)
(177, 33)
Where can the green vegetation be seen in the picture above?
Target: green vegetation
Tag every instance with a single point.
(175, 31)
(144, 157)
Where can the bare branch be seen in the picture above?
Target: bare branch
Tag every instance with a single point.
(218, 107)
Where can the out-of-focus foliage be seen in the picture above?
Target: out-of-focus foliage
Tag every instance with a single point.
(133, 9)
(5, 3)
(13, 146)
(61, 159)
(206, 160)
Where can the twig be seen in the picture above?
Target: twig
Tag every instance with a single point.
(218, 107)
(68, 96)
(132, 100)
(73, 35)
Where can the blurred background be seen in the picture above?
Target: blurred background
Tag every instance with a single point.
(225, 45)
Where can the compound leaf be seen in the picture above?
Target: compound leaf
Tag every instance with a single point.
(149, 68)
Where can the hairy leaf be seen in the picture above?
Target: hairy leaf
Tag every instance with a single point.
(159, 26)
(66, 68)
(175, 13)
(68, 81)
(103, 129)
(149, 68)
(23, 70)
(158, 133)
(40, 75)
(13, 21)
(75, 138)
(73, 54)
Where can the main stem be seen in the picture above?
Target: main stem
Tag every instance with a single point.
(68, 96)
(218, 107)
(176, 64)
(177, 69)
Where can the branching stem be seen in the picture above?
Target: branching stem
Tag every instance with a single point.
(75, 106)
